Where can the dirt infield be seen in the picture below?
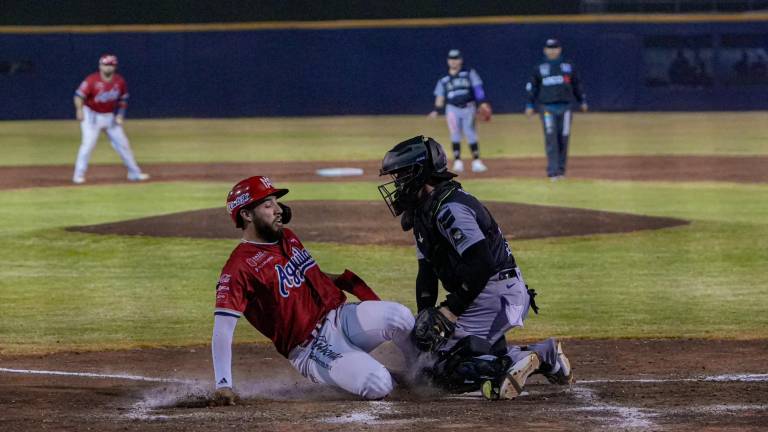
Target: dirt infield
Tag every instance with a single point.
(742, 169)
(676, 385)
(326, 221)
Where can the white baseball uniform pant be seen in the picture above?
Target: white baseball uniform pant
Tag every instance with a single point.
(338, 352)
(91, 127)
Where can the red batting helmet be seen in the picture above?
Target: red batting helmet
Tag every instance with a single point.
(108, 59)
(249, 191)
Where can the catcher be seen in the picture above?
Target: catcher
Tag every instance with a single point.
(274, 282)
(459, 243)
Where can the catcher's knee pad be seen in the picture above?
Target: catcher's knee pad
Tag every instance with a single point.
(377, 384)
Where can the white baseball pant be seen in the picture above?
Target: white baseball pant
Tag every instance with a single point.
(338, 355)
(91, 126)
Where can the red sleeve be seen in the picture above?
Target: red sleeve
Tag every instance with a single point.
(352, 284)
(230, 293)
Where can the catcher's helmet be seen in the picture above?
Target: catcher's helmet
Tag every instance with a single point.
(412, 163)
(249, 191)
(108, 59)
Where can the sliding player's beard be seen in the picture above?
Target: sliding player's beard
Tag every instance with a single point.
(270, 231)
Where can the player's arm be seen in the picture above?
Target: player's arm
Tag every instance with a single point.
(458, 224)
(426, 286)
(354, 284)
(78, 101)
(439, 100)
(477, 87)
(532, 90)
(79, 98)
(578, 92)
(224, 324)
(477, 270)
(230, 304)
(122, 104)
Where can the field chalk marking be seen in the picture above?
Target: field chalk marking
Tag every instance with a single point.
(713, 378)
(95, 375)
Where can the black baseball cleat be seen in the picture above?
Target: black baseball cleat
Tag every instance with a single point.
(512, 384)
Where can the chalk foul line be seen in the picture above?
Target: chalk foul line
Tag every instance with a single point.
(96, 375)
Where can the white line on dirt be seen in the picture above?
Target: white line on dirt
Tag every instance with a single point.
(95, 375)
(628, 417)
(713, 378)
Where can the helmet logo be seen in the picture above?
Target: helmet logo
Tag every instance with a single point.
(242, 199)
(266, 182)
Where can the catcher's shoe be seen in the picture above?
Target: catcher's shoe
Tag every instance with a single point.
(564, 374)
(512, 384)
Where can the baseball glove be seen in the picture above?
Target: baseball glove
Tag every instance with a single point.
(432, 330)
(485, 112)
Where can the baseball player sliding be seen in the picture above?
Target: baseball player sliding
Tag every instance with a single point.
(273, 280)
(100, 103)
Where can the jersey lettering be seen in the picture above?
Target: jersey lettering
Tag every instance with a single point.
(292, 275)
(553, 80)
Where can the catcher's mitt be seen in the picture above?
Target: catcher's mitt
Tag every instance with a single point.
(485, 112)
(432, 330)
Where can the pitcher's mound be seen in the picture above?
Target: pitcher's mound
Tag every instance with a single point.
(369, 222)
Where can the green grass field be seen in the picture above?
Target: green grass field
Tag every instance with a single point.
(61, 290)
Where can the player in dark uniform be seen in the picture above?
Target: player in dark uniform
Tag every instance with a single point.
(553, 86)
(459, 243)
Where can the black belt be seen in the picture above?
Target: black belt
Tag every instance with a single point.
(461, 106)
(507, 274)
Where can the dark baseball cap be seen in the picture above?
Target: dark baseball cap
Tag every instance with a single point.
(552, 43)
(454, 54)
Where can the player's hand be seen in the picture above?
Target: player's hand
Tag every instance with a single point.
(224, 397)
(79, 115)
(584, 107)
(432, 114)
(528, 112)
(119, 119)
(448, 314)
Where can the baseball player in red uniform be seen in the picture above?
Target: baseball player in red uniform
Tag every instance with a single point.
(274, 282)
(100, 103)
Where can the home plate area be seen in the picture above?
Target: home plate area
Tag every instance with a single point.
(621, 385)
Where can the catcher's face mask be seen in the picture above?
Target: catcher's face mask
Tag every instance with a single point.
(411, 164)
(402, 192)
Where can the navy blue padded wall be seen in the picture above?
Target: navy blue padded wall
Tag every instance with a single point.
(346, 71)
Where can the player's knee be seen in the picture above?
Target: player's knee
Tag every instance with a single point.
(400, 318)
(377, 384)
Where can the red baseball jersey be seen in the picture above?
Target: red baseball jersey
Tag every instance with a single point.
(281, 291)
(104, 96)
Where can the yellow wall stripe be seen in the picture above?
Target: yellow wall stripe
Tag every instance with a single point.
(389, 23)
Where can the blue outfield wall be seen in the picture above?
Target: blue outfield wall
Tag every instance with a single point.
(348, 71)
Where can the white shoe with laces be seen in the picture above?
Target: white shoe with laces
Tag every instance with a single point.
(458, 166)
(78, 179)
(478, 166)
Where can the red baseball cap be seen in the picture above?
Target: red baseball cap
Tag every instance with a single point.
(248, 191)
